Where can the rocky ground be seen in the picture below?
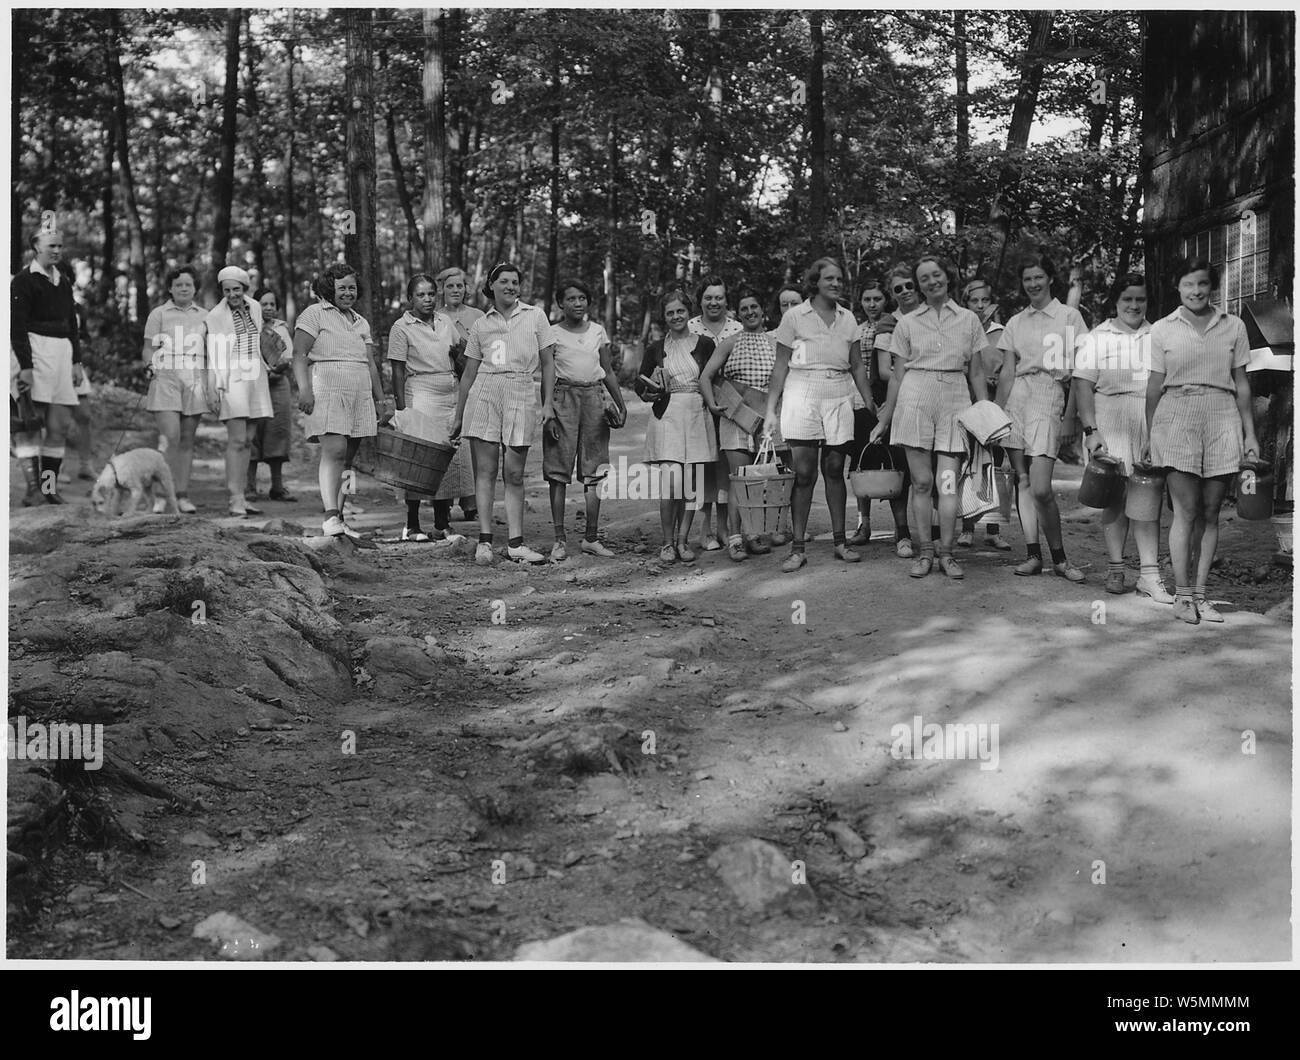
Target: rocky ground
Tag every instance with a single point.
(392, 754)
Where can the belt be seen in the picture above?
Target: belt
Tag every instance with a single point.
(1198, 388)
(940, 371)
(572, 382)
(508, 371)
(411, 372)
(826, 373)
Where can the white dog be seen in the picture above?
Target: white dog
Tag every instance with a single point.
(131, 475)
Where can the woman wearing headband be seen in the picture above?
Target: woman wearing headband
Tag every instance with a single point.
(235, 358)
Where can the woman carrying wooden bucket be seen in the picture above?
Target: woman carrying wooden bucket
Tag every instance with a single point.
(421, 349)
(1201, 425)
(1110, 383)
(746, 361)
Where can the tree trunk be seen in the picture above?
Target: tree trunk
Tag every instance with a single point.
(817, 132)
(553, 217)
(108, 273)
(17, 244)
(259, 179)
(712, 130)
(1022, 119)
(289, 271)
(611, 233)
(136, 229)
(226, 166)
(360, 248)
(403, 193)
(434, 246)
(321, 253)
(457, 141)
(963, 112)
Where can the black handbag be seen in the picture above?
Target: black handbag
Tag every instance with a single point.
(24, 418)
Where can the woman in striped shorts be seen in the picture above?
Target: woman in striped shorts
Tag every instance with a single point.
(239, 376)
(746, 361)
(1038, 345)
(452, 292)
(1201, 425)
(938, 372)
(338, 384)
(679, 438)
(498, 407)
(1110, 384)
(421, 348)
(818, 366)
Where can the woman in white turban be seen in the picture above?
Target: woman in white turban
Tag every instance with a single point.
(235, 356)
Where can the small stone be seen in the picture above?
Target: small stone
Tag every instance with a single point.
(171, 923)
(702, 774)
(482, 905)
(198, 839)
(322, 954)
(839, 726)
(662, 667)
(528, 590)
(1061, 916)
(237, 939)
(588, 809)
(760, 876)
(572, 857)
(853, 845)
(708, 621)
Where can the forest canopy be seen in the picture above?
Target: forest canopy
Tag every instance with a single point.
(632, 148)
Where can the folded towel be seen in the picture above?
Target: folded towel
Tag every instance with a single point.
(985, 422)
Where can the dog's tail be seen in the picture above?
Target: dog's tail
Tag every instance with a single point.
(164, 477)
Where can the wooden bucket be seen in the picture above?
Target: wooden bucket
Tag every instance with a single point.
(760, 500)
(410, 463)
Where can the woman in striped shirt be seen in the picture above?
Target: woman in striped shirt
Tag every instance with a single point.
(1201, 425)
(1110, 384)
(746, 361)
(1038, 344)
(497, 404)
(338, 384)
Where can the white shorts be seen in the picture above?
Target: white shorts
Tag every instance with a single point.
(52, 371)
(817, 406)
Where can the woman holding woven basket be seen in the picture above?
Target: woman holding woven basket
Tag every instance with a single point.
(338, 384)
(421, 349)
(745, 361)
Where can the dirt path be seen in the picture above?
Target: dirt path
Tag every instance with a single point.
(508, 794)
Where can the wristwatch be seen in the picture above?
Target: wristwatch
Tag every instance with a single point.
(1089, 430)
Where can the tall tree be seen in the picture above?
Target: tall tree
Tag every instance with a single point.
(434, 247)
(259, 168)
(712, 132)
(553, 206)
(963, 107)
(290, 278)
(360, 247)
(139, 278)
(226, 164)
(1022, 119)
(817, 130)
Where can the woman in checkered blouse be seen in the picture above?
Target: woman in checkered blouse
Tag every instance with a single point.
(745, 360)
(1201, 425)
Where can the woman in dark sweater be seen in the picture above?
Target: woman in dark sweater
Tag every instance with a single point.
(679, 438)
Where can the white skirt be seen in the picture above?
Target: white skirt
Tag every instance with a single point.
(684, 435)
(434, 395)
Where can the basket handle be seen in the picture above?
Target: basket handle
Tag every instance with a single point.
(766, 452)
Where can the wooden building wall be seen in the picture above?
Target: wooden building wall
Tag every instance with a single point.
(1218, 143)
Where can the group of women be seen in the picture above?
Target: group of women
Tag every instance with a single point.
(1173, 395)
(828, 386)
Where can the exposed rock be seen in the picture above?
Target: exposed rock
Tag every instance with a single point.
(853, 845)
(761, 877)
(236, 939)
(629, 940)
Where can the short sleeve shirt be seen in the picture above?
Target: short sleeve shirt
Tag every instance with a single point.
(337, 336)
(938, 340)
(177, 335)
(510, 343)
(577, 356)
(1187, 358)
(1044, 340)
(463, 316)
(1115, 360)
(812, 342)
(423, 345)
